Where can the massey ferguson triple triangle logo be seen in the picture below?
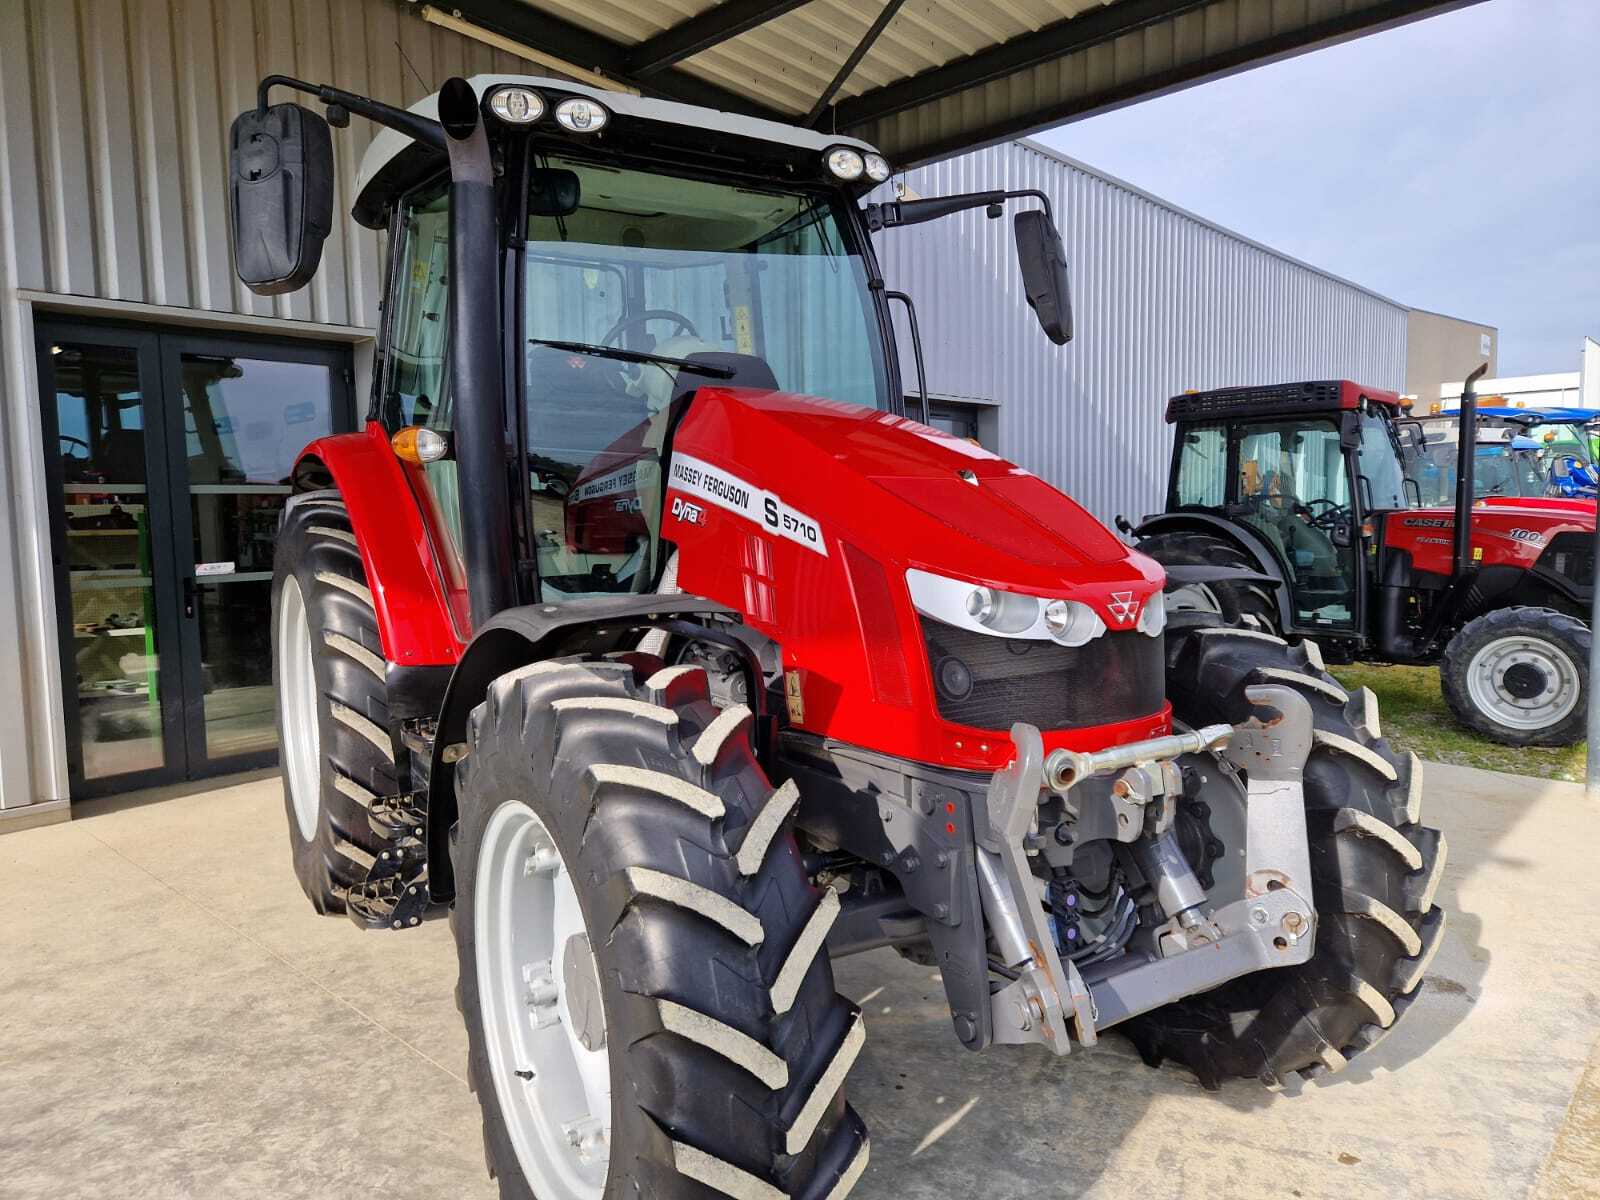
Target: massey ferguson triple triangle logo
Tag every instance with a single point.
(1123, 607)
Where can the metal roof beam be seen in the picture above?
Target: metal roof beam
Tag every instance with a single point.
(583, 47)
(1383, 15)
(717, 24)
(852, 62)
(1020, 53)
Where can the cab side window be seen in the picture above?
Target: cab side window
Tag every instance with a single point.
(1202, 477)
(416, 387)
(416, 377)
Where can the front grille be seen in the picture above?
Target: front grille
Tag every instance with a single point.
(989, 682)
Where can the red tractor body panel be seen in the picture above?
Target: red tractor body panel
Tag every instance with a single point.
(805, 515)
(1505, 531)
(414, 589)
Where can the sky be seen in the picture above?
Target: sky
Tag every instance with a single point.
(1451, 164)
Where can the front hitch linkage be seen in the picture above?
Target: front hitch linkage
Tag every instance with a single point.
(1273, 924)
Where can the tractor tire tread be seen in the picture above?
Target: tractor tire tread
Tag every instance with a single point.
(359, 760)
(1464, 645)
(719, 1090)
(1375, 872)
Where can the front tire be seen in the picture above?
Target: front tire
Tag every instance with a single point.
(725, 1045)
(336, 748)
(1375, 870)
(1519, 676)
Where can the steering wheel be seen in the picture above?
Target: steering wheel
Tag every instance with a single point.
(69, 445)
(682, 323)
(1328, 518)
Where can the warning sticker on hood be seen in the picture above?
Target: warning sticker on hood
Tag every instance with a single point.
(726, 490)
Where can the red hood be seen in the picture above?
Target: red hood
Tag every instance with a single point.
(915, 496)
(1561, 508)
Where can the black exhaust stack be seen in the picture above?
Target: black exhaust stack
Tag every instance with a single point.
(477, 391)
(1466, 460)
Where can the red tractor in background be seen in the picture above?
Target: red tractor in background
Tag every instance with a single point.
(1307, 490)
(680, 665)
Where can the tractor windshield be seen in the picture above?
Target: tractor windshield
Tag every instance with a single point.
(678, 267)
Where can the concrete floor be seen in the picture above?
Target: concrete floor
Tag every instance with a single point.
(174, 1021)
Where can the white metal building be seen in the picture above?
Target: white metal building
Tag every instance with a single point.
(116, 288)
(1164, 301)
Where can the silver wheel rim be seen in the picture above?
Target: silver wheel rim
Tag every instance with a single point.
(297, 705)
(544, 1024)
(1486, 682)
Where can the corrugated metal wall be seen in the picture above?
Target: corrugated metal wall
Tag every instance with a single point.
(114, 120)
(1164, 301)
(116, 116)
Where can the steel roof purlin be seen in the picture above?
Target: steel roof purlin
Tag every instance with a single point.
(923, 79)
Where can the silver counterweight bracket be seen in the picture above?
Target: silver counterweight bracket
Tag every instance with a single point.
(1274, 923)
(1271, 749)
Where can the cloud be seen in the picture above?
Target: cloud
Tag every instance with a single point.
(1452, 164)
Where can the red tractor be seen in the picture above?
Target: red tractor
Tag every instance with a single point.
(640, 626)
(1311, 491)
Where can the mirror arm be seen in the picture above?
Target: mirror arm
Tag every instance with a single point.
(916, 348)
(401, 120)
(913, 212)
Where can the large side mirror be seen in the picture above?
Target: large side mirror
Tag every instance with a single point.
(1044, 273)
(553, 192)
(281, 169)
(1412, 439)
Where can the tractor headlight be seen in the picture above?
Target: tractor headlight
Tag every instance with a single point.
(1071, 623)
(1003, 612)
(982, 609)
(877, 168)
(516, 105)
(845, 163)
(1154, 617)
(582, 115)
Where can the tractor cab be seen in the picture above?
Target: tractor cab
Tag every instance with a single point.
(1298, 468)
(1519, 452)
(1389, 539)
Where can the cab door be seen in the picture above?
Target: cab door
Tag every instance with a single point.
(1291, 485)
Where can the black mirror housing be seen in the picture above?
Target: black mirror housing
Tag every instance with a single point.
(281, 177)
(553, 192)
(1044, 273)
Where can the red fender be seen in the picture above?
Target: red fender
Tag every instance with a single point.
(422, 620)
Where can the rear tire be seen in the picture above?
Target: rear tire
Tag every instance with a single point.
(1519, 676)
(1242, 605)
(1374, 869)
(726, 1042)
(328, 671)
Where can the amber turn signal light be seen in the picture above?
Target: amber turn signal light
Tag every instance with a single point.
(416, 444)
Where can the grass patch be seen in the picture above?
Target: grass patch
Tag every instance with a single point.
(1415, 718)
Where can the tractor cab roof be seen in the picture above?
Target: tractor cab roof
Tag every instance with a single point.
(1525, 416)
(686, 135)
(1277, 400)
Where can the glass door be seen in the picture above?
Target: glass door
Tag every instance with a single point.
(113, 556)
(168, 461)
(239, 415)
